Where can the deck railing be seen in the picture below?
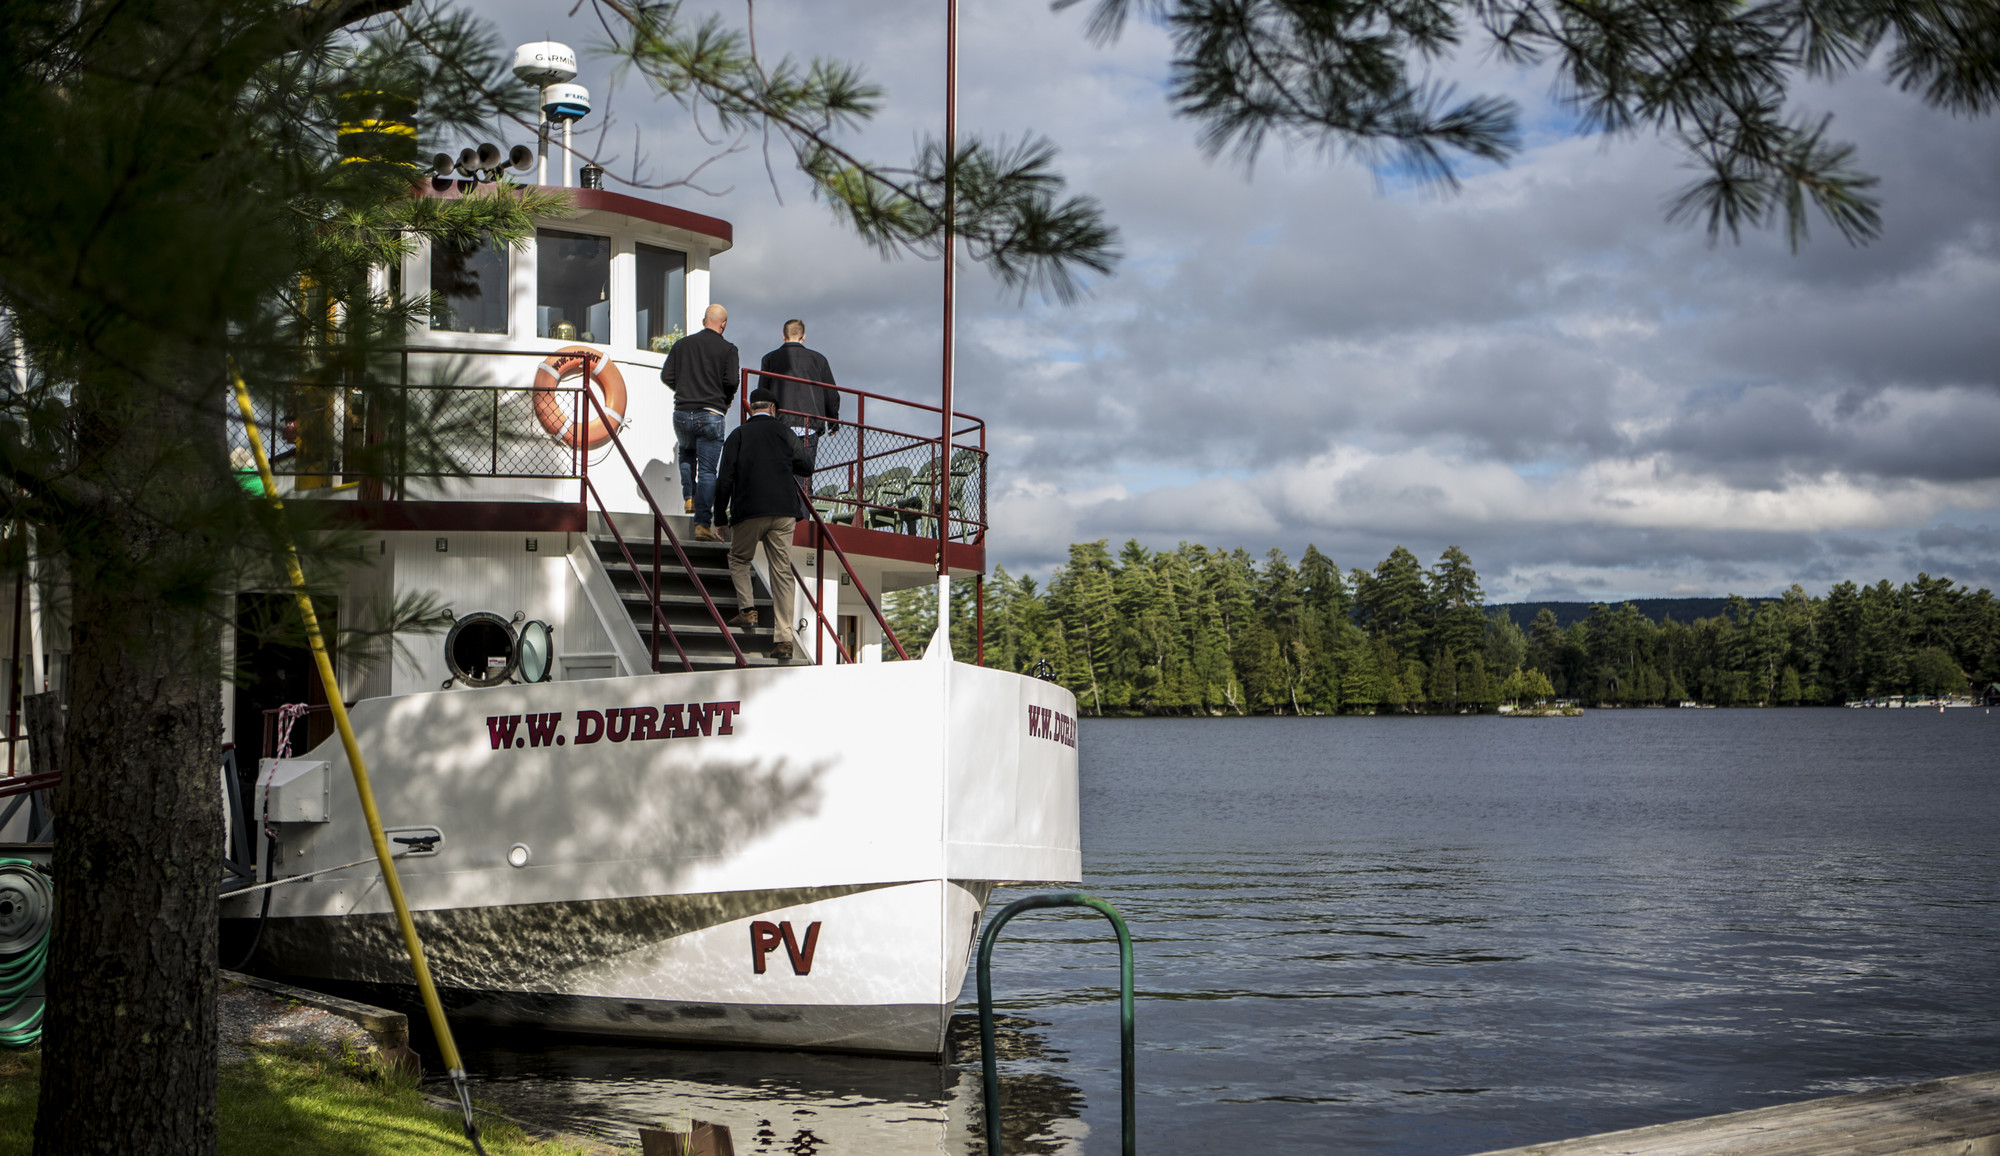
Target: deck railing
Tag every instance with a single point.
(338, 437)
(886, 477)
(884, 470)
(824, 628)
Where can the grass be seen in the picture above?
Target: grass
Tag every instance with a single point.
(20, 1074)
(282, 1102)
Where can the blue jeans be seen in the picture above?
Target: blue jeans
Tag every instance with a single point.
(698, 442)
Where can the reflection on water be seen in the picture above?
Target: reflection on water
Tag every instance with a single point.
(791, 1102)
(1427, 937)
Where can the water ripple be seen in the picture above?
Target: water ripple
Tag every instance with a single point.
(1437, 936)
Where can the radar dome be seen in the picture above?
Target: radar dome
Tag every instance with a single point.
(544, 63)
(566, 101)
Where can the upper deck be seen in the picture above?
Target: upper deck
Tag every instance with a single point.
(624, 277)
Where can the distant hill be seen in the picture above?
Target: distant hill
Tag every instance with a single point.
(1682, 610)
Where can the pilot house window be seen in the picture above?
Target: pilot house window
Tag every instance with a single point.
(470, 282)
(662, 298)
(573, 286)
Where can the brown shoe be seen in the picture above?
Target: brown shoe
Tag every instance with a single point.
(745, 617)
(782, 652)
(706, 534)
(687, 505)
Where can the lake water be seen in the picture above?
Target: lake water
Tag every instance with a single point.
(1432, 936)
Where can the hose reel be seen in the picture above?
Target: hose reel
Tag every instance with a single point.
(26, 904)
(27, 908)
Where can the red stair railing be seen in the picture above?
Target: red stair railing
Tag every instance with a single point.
(588, 403)
(823, 539)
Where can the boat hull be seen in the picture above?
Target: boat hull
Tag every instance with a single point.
(751, 885)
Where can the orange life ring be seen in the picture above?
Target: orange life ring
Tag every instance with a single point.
(553, 411)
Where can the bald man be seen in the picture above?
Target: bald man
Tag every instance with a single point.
(702, 371)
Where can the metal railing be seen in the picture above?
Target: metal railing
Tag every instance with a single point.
(867, 476)
(339, 435)
(988, 1053)
(877, 477)
(273, 740)
(661, 529)
(821, 540)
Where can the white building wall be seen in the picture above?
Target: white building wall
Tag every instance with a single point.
(366, 668)
(491, 571)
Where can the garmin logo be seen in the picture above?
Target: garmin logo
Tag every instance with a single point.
(1053, 725)
(615, 724)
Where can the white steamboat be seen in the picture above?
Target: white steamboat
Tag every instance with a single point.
(615, 815)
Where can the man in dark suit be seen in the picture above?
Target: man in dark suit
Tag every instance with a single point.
(757, 490)
(806, 408)
(701, 370)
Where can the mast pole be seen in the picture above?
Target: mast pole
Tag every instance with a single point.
(542, 150)
(942, 474)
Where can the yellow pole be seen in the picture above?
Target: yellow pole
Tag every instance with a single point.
(454, 1066)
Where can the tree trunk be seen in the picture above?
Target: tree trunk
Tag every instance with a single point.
(129, 1046)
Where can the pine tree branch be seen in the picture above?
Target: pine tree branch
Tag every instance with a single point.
(315, 20)
(1006, 205)
(1717, 76)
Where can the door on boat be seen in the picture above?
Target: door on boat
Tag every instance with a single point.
(850, 633)
(275, 668)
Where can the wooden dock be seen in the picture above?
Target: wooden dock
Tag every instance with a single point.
(1959, 1116)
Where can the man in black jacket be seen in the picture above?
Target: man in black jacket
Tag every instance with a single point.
(806, 408)
(757, 489)
(701, 370)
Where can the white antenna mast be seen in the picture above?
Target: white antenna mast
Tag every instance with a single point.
(548, 67)
(567, 103)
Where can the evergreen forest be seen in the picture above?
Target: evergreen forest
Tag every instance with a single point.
(1198, 631)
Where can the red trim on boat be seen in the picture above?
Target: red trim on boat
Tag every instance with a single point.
(604, 200)
(610, 202)
(900, 547)
(543, 517)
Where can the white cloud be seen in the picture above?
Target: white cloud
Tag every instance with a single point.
(1539, 368)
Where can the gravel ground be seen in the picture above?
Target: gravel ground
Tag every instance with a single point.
(249, 1016)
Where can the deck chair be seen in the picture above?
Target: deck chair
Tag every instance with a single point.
(890, 489)
(917, 505)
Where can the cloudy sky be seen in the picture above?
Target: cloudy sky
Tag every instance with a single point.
(1540, 369)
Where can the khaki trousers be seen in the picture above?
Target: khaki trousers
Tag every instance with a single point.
(776, 535)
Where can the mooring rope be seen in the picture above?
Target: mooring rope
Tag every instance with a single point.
(288, 721)
(298, 878)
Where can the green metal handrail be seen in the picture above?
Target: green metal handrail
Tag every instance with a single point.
(986, 1048)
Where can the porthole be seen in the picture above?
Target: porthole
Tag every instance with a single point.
(537, 647)
(480, 649)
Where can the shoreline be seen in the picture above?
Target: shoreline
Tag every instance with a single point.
(1563, 709)
(259, 1018)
